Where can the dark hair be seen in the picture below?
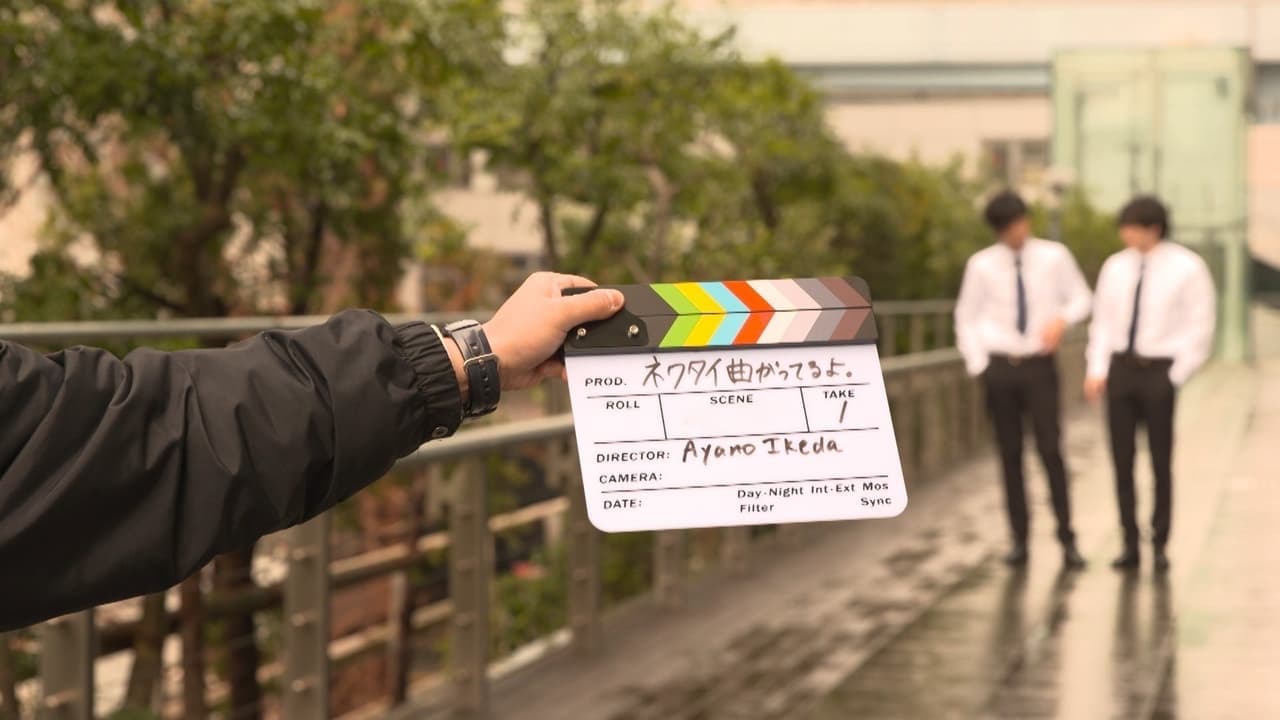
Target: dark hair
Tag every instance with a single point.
(1003, 210)
(1146, 211)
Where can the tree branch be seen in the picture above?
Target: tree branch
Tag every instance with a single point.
(663, 198)
(546, 213)
(155, 298)
(50, 165)
(193, 244)
(763, 195)
(233, 162)
(641, 275)
(305, 284)
(596, 228)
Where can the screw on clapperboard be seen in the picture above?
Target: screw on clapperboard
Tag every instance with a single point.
(632, 331)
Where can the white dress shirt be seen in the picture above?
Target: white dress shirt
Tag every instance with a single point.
(1176, 316)
(987, 309)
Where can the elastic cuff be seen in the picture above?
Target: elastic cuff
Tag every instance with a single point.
(436, 379)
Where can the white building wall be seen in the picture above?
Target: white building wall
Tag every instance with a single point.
(1264, 193)
(986, 31)
(935, 130)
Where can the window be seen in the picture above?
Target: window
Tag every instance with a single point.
(1015, 163)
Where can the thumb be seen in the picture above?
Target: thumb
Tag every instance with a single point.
(594, 305)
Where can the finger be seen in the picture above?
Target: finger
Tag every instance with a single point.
(573, 281)
(594, 305)
(551, 369)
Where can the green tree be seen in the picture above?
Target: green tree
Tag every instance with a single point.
(777, 208)
(225, 157)
(654, 152)
(594, 109)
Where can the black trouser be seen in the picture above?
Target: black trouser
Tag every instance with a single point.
(1028, 386)
(1139, 391)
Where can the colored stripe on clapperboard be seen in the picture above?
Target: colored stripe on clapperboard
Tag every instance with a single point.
(755, 312)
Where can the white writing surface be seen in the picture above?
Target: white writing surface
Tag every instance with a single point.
(724, 437)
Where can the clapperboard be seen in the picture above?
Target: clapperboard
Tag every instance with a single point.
(707, 404)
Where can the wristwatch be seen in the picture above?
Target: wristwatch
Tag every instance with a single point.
(480, 365)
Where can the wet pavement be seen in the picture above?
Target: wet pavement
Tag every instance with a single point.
(1200, 642)
(917, 618)
(1022, 645)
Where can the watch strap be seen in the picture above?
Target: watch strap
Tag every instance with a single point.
(480, 365)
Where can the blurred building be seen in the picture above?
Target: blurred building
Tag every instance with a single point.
(1179, 97)
(973, 79)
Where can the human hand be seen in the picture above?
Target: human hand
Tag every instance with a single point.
(531, 325)
(1094, 387)
(1051, 335)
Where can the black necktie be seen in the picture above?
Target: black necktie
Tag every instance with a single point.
(1022, 295)
(1137, 295)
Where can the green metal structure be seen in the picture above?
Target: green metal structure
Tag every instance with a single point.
(1172, 122)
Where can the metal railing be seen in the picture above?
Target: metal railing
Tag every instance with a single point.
(914, 326)
(222, 328)
(937, 415)
(904, 326)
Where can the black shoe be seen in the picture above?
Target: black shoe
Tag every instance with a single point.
(1072, 559)
(1017, 557)
(1127, 560)
(1160, 561)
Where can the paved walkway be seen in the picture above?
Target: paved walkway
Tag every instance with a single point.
(1203, 642)
(914, 618)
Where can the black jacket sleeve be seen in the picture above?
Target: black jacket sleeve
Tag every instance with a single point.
(121, 477)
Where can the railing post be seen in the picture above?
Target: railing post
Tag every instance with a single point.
(790, 534)
(970, 414)
(470, 577)
(306, 621)
(932, 443)
(916, 342)
(191, 630)
(553, 528)
(941, 330)
(583, 554)
(67, 647)
(902, 403)
(980, 417)
(887, 326)
(401, 606)
(399, 637)
(735, 543)
(957, 387)
(669, 565)
(1071, 372)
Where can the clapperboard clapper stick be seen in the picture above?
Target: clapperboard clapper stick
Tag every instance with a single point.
(710, 404)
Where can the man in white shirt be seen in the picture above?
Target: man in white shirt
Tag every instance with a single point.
(1152, 329)
(1018, 297)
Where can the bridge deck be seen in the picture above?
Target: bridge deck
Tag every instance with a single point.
(915, 617)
